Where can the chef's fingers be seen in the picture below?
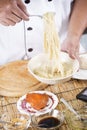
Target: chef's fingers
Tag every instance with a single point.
(14, 18)
(7, 22)
(4, 23)
(22, 7)
(19, 13)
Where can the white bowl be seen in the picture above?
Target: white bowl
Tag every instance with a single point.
(42, 58)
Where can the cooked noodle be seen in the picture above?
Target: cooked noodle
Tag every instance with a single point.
(51, 42)
(53, 67)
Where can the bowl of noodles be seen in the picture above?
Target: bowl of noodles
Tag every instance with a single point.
(52, 66)
(51, 72)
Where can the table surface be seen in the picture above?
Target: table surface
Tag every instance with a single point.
(67, 90)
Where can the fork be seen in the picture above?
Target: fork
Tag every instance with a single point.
(37, 15)
(33, 15)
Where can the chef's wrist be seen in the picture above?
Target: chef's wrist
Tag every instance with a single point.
(76, 30)
(74, 36)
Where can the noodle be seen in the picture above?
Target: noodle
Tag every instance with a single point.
(53, 67)
(51, 42)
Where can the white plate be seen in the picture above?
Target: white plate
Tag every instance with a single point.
(81, 74)
(25, 108)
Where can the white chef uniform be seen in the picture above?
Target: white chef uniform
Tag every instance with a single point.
(12, 37)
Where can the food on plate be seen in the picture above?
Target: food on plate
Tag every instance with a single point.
(25, 107)
(83, 61)
(36, 100)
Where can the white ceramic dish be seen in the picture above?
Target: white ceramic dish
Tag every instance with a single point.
(81, 74)
(41, 58)
(25, 108)
(83, 61)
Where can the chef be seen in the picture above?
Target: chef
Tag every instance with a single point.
(22, 33)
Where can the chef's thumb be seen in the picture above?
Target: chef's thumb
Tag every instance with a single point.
(23, 7)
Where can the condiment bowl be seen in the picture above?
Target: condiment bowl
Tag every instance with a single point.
(50, 121)
(15, 121)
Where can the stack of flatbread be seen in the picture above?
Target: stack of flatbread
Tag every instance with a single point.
(16, 81)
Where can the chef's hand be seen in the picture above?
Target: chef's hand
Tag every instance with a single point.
(71, 46)
(12, 12)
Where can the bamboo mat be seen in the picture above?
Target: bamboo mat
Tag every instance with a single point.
(67, 90)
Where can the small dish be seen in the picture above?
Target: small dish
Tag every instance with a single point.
(25, 108)
(15, 121)
(49, 121)
(83, 61)
(81, 74)
(40, 59)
